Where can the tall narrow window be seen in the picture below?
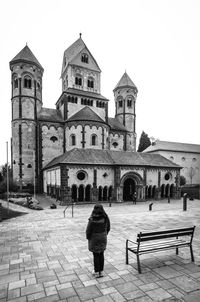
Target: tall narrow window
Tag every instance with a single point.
(27, 82)
(120, 103)
(129, 103)
(93, 140)
(15, 83)
(73, 140)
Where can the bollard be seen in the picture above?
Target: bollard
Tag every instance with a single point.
(185, 202)
(150, 206)
(1, 214)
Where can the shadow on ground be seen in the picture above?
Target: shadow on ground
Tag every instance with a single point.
(9, 213)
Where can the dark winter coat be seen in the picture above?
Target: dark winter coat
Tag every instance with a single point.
(96, 233)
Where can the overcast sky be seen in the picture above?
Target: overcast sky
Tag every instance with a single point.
(156, 41)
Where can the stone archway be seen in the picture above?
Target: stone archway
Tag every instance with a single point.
(130, 183)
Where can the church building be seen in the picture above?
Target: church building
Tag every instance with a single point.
(76, 151)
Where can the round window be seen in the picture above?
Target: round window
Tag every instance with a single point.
(81, 175)
(167, 176)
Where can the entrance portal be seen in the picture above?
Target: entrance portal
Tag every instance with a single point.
(129, 189)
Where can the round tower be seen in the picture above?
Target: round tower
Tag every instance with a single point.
(125, 94)
(26, 79)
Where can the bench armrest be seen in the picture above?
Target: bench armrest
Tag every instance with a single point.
(133, 242)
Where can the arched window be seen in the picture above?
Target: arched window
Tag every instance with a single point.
(129, 103)
(90, 83)
(120, 103)
(72, 140)
(53, 139)
(15, 82)
(84, 58)
(78, 81)
(93, 140)
(27, 82)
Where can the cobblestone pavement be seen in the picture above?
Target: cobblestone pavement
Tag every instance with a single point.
(44, 256)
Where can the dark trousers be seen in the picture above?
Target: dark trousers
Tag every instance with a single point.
(98, 262)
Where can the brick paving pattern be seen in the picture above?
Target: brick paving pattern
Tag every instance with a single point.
(44, 256)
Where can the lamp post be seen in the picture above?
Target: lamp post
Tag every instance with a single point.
(7, 178)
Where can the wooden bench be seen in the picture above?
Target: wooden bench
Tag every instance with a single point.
(162, 240)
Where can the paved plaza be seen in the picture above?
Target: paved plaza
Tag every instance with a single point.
(44, 255)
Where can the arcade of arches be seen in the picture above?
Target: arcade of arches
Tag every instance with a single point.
(130, 183)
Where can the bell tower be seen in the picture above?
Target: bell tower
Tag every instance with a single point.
(26, 98)
(125, 94)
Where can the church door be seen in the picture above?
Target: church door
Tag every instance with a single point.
(128, 189)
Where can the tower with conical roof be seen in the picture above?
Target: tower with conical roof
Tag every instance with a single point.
(26, 75)
(125, 94)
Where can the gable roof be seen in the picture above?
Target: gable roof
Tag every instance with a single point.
(108, 157)
(125, 81)
(86, 114)
(26, 55)
(173, 146)
(72, 51)
(116, 125)
(50, 115)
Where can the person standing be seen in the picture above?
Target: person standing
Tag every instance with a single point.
(97, 230)
(134, 198)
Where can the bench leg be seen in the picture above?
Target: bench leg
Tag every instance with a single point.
(192, 255)
(176, 251)
(126, 256)
(138, 264)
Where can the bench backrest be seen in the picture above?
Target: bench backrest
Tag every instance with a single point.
(165, 234)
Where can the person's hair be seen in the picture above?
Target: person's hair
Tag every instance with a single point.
(98, 211)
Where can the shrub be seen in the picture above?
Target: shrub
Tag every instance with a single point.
(12, 186)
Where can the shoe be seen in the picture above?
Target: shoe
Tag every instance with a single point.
(95, 274)
(101, 274)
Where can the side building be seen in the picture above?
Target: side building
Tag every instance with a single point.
(185, 155)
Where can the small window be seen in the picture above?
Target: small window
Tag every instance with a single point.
(29, 166)
(84, 58)
(183, 158)
(81, 175)
(120, 103)
(94, 140)
(27, 82)
(53, 139)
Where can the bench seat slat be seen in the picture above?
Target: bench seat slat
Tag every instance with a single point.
(158, 245)
(156, 237)
(190, 230)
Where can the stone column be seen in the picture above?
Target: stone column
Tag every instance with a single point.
(117, 190)
(159, 190)
(64, 185)
(178, 188)
(94, 189)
